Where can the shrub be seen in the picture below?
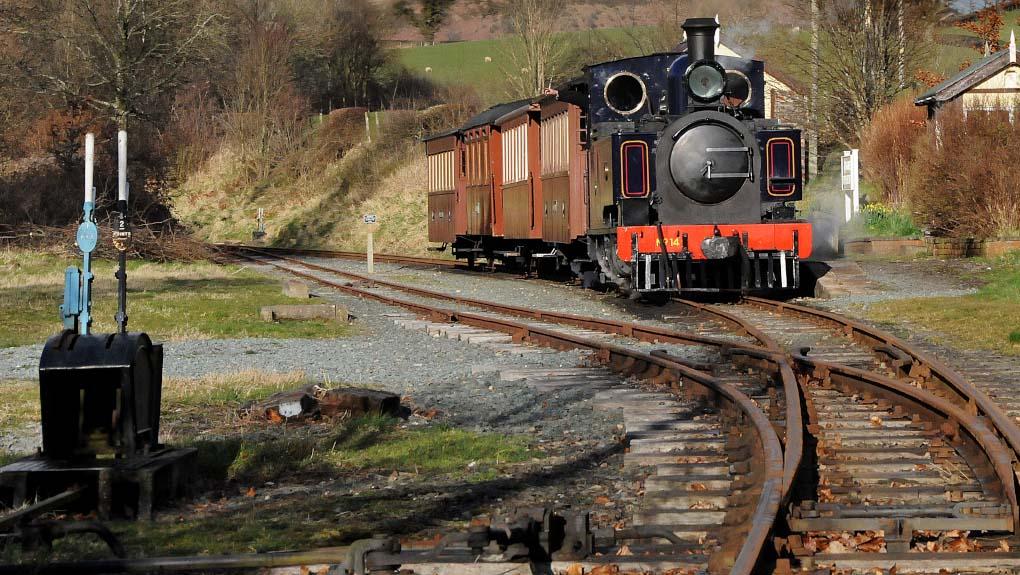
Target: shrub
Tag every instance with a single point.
(888, 147)
(963, 180)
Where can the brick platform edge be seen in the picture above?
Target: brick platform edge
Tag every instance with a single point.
(938, 247)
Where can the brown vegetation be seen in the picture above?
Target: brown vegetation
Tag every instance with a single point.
(963, 182)
(957, 176)
(148, 242)
(888, 147)
(188, 78)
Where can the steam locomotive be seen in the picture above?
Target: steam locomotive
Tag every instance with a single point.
(659, 174)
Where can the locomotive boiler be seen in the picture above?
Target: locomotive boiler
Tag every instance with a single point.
(657, 173)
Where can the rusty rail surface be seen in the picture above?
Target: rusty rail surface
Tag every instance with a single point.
(387, 258)
(962, 413)
(943, 411)
(637, 331)
(773, 354)
(628, 362)
(965, 393)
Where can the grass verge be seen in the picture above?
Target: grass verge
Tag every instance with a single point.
(989, 319)
(171, 301)
(270, 487)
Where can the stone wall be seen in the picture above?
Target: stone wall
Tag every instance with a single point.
(937, 247)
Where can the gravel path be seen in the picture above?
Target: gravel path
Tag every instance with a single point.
(907, 279)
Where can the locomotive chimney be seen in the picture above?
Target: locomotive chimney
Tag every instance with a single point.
(700, 38)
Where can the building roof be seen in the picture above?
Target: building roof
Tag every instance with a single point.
(968, 78)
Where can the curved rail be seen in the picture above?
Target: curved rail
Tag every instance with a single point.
(774, 354)
(630, 362)
(968, 395)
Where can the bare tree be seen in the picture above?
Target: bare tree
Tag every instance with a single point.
(428, 17)
(338, 57)
(264, 114)
(116, 56)
(537, 50)
(860, 55)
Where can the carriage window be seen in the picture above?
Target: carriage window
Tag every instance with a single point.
(555, 143)
(441, 168)
(515, 154)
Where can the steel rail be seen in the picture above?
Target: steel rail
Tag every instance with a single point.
(388, 258)
(630, 362)
(773, 354)
(777, 356)
(980, 432)
(967, 394)
(189, 564)
(642, 332)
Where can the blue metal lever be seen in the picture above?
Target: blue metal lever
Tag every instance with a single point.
(76, 311)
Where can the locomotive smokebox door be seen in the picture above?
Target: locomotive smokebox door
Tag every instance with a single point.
(100, 396)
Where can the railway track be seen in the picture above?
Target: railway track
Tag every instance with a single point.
(909, 458)
(715, 463)
(889, 458)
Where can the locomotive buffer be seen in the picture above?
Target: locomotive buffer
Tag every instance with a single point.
(100, 394)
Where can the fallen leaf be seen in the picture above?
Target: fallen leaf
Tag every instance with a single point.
(602, 500)
(250, 492)
(623, 552)
(836, 547)
(606, 569)
(1003, 546)
(698, 487)
(574, 569)
(876, 421)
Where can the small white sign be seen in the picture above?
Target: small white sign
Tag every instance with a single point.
(850, 181)
(847, 172)
(370, 218)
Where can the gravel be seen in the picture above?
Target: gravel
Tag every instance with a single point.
(461, 380)
(907, 279)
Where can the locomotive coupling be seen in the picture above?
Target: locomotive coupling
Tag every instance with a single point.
(719, 247)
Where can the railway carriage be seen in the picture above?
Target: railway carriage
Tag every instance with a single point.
(658, 173)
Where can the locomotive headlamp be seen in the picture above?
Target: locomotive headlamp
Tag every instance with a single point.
(706, 81)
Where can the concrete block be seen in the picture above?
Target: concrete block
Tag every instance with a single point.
(295, 288)
(306, 311)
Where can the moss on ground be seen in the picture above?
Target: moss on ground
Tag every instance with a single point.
(171, 301)
(986, 320)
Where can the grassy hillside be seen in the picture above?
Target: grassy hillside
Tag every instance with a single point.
(314, 198)
(315, 202)
(484, 64)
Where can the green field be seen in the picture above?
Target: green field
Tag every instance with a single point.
(465, 62)
(988, 320)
